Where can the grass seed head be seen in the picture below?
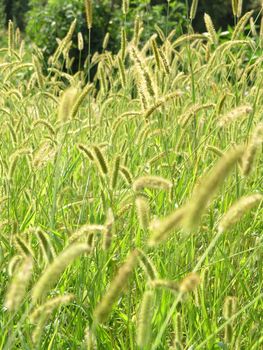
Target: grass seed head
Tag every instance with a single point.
(100, 160)
(166, 284)
(56, 268)
(253, 27)
(234, 7)
(80, 42)
(115, 171)
(86, 151)
(42, 313)
(238, 210)
(90, 340)
(106, 41)
(49, 306)
(215, 150)
(193, 9)
(18, 286)
(14, 264)
(116, 287)
(84, 232)
(239, 8)
(252, 149)
(209, 186)
(126, 175)
(177, 345)
(10, 37)
(23, 247)
(189, 283)
(178, 328)
(143, 211)
(45, 245)
(88, 8)
(125, 6)
(147, 265)
(164, 62)
(156, 53)
(239, 29)
(66, 104)
(154, 182)
(80, 99)
(235, 114)
(109, 230)
(230, 308)
(123, 43)
(161, 228)
(210, 28)
(144, 327)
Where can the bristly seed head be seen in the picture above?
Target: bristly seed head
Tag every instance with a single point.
(154, 182)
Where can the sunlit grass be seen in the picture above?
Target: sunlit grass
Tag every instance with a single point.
(107, 162)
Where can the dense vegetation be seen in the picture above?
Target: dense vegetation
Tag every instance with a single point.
(131, 203)
(46, 20)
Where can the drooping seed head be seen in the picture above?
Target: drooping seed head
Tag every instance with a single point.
(239, 29)
(189, 283)
(127, 176)
(84, 232)
(161, 228)
(209, 186)
(116, 287)
(166, 284)
(238, 210)
(18, 286)
(234, 114)
(86, 151)
(45, 245)
(147, 265)
(41, 314)
(13, 264)
(101, 161)
(56, 268)
(154, 182)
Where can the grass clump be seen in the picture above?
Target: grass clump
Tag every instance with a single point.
(147, 168)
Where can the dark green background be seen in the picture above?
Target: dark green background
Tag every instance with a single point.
(45, 20)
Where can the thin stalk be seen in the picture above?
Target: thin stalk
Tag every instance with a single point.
(179, 296)
(231, 319)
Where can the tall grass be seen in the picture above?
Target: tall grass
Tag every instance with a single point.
(124, 201)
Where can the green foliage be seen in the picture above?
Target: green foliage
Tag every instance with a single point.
(48, 21)
(2, 13)
(15, 10)
(19, 10)
(161, 111)
(220, 11)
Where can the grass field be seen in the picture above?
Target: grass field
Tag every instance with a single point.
(131, 206)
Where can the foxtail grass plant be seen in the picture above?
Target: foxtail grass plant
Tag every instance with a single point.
(131, 185)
